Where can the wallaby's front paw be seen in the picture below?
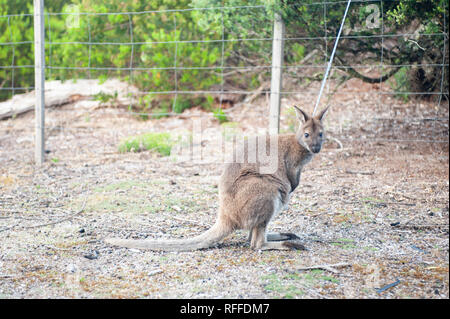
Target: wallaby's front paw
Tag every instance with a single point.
(294, 245)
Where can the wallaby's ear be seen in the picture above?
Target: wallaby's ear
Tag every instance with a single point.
(300, 114)
(322, 113)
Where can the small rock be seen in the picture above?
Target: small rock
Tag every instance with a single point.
(71, 268)
(92, 256)
(155, 272)
(45, 203)
(176, 208)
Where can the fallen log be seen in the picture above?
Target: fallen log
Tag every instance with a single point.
(59, 93)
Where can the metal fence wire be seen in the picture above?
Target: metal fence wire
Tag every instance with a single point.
(216, 52)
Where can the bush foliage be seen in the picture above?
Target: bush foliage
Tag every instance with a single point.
(149, 48)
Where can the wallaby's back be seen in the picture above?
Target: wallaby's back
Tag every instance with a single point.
(244, 191)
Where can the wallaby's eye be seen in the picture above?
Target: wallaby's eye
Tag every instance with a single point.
(320, 134)
(306, 134)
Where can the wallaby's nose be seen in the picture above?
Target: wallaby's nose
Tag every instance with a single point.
(316, 148)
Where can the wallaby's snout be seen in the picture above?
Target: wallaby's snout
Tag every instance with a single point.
(311, 132)
(312, 139)
(316, 148)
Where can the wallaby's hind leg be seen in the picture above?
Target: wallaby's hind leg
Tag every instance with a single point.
(257, 237)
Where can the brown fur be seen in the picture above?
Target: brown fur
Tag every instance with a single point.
(249, 199)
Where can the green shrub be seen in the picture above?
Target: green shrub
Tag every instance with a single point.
(400, 83)
(105, 98)
(159, 142)
(180, 105)
(220, 115)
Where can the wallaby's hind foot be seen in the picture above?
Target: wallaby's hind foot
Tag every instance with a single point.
(283, 245)
(281, 236)
(277, 236)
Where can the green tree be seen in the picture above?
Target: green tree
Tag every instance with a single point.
(159, 63)
(183, 50)
(16, 23)
(392, 33)
(88, 46)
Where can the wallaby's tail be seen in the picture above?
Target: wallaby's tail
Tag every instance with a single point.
(208, 239)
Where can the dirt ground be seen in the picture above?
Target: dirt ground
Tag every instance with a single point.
(375, 201)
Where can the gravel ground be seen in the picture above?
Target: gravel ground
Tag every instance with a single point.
(379, 209)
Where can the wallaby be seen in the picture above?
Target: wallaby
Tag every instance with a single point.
(249, 199)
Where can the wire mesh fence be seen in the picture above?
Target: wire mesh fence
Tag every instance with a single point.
(214, 57)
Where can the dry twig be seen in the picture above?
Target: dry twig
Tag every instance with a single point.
(327, 267)
(422, 226)
(54, 222)
(348, 171)
(62, 219)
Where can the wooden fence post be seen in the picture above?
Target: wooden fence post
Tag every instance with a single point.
(39, 80)
(277, 64)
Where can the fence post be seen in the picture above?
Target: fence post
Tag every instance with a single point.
(39, 80)
(275, 84)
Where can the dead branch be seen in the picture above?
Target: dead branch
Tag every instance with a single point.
(60, 220)
(327, 267)
(351, 71)
(360, 172)
(54, 222)
(265, 86)
(421, 226)
(341, 146)
(59, 93)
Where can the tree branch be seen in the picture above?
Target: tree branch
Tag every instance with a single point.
(351, 71)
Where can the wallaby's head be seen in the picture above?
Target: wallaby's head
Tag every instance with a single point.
(311, 133)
